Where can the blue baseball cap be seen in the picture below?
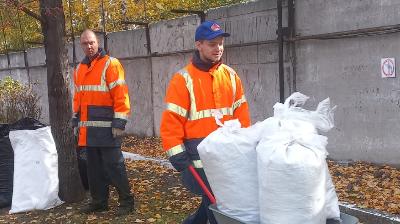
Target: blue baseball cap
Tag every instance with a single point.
(209, 30)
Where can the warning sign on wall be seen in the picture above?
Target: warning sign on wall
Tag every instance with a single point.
(388, 68)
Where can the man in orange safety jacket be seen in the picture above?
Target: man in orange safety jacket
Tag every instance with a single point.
(203, 89)
(101, 109)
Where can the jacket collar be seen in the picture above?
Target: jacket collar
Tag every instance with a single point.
(101, 53)
(202, 65)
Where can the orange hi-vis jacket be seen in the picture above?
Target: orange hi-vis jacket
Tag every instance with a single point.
(101, 100)
(194, 97)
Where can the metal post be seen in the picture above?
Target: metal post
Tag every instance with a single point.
(5, 40)
(123, 10)
(72, 34)
(280, 52)
(292, 45)
(24, 47)
(104, 26)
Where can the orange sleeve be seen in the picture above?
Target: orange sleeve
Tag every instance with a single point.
(175, 115)
(115, 79)
(242, 111)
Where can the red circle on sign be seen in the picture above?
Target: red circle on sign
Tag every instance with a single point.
(388, 63)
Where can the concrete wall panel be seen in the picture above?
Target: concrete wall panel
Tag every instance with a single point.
(3, 61)
(17, 59)
(250, 22)
(17, 74)
(36, 56)
(127, 44)
(348, 71)
(173, 35)
(321, 16)
(138, 78)
(39, 79)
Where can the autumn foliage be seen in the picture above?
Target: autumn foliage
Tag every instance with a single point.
(19, 31)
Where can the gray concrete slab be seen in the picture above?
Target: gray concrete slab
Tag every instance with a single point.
(251, 22)
(173, 35)
(17, 59)
(320, 16)
(138, 78)
(348, 71)
(36, 56)
(3, 61)
(16, 74)
(127, 44)
(39, 84)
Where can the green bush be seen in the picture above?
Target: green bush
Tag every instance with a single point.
(17, 101)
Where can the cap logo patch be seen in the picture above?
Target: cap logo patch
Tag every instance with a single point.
(215, 27)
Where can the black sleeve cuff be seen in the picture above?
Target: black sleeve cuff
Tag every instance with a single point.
(74, 122)
(118, 123)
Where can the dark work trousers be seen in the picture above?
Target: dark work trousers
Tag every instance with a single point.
(105, 165)
(202, 214)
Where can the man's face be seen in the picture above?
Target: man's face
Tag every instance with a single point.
(211, 50)
(89, 44)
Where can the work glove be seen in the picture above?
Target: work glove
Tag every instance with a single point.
(117, 132)
(180, 161)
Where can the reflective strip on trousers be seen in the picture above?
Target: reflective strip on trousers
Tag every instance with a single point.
(102, 124)
(175, 150)
(197, 164)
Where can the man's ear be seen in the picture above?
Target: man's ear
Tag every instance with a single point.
(197, 44)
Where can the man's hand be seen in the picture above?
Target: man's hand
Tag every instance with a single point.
(76, 131)
(180, 161)
(117, 133)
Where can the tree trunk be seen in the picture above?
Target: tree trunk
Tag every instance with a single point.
(60, 109)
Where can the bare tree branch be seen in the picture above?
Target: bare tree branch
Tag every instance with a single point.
(21, 7)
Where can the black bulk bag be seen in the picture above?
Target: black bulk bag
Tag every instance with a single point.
(7, 156)
(6, 167)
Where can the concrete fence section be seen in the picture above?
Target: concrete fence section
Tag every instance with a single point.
(346, 69)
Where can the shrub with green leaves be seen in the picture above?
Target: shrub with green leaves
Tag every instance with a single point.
(17, 101)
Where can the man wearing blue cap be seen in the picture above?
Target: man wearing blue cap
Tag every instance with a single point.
(202, 91)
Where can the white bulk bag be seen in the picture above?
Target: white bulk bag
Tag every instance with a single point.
(35, 170)
(229, 160)
(291, 164)
(332, 201)
(292, 178)
(321, 118)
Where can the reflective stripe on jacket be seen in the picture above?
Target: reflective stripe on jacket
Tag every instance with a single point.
(193, 97)
(101, 101)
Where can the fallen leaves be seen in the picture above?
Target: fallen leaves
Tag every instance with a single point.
(145, 146)
(368, 185)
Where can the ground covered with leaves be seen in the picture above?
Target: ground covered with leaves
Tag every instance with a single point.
(160, 198)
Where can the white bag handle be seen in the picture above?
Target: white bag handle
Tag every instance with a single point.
(217, 116)
(297, 99)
